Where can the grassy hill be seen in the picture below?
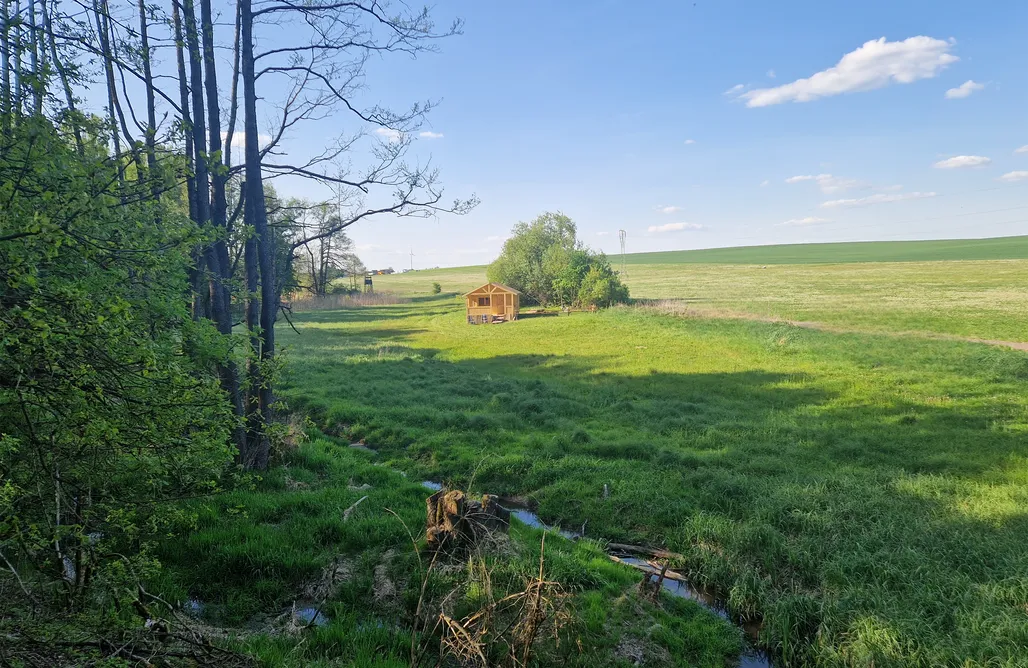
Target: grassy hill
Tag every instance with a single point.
(999, 248)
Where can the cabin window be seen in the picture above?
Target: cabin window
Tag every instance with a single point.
(483, 301)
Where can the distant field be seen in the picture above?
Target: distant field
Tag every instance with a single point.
(999, 248)
(964, 296)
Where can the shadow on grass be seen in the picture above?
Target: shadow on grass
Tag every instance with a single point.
(814, 513)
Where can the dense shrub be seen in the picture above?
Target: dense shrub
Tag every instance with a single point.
(109, 402)
(545, 261)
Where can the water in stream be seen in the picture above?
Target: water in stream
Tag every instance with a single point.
(751, 659)
(310, 616)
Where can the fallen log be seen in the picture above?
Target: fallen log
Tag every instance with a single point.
(655, 552)
(650, 569)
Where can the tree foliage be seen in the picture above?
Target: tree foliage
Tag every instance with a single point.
(317, 249)
(110, 402)
(142, 270)
(546, 262)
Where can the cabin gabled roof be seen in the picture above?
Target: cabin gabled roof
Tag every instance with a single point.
(501, 286)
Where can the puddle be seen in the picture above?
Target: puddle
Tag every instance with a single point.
(193, 607)
(434, 486)
(754, 659)
(309, 616)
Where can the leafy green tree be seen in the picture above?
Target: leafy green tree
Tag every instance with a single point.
(110, 400)
(601, 286)
(568, 269)
(530, 260)
(545, 261)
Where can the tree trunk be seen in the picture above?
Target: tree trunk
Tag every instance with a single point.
(16, 45)
(219, 176)
(258, 210)
(5, 69)
(151, 107)
(118, 112)
(37, 78)
(233, 95)
(254, 424)
(187, 118)
(69, 95)
(196, 271)
(220, 312)
(105, 46)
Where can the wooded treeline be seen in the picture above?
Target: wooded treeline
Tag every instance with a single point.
(144, 258)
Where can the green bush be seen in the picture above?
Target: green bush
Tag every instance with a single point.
(545, 261)
(110, 407)
(436, 288)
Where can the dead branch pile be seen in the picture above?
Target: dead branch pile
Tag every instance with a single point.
(506, 631)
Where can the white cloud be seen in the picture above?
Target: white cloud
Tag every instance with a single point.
(1023, 149)
(879, 198)
(737, 88)
(431, 135)
(765, 183)
(674, 227)
(239, 139)
(389, 134)
(959, 161)
(1010, 177)
(669, 209)
(690, 141)
(809, 220)
(876, 64)
(602, 234)
(827, 183)
(963, 90)
(770, 74)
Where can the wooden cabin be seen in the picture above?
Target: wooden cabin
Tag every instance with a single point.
(493, 302)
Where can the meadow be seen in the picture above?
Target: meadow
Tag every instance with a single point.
(292, 573)
(968, 288)
(860, 497)
(859, 493)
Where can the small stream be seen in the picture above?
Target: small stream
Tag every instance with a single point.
(752, 658)
(310, 616)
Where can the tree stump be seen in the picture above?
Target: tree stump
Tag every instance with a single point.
(455, 522)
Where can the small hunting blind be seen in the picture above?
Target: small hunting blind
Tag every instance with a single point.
(493, 302)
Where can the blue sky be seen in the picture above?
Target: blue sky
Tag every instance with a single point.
(587, 108)
(695, 125)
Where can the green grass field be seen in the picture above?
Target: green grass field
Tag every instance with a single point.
(253, 556)
(996, 248)
(971, 288)
(860, 495)
(864, 495)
